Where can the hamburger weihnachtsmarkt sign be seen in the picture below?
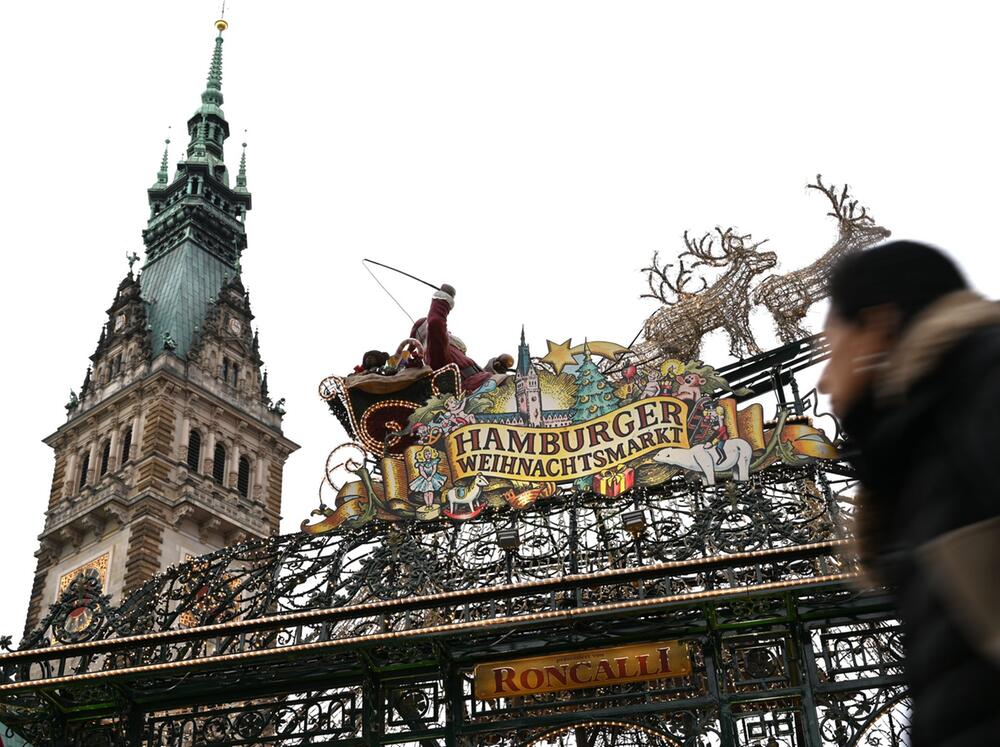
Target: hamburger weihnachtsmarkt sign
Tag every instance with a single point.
(561, 422)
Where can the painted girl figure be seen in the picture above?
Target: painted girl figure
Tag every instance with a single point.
(428, 480)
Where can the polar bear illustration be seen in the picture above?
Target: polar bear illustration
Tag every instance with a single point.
(703, 458)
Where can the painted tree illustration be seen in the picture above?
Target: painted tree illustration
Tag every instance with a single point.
(594, 395)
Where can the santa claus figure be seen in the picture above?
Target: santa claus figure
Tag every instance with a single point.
(441, 347)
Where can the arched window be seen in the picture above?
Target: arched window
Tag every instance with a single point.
(219, 464)
(194, 451)
(84, 469)
(105, 457)
(126, 444)
(243, 477)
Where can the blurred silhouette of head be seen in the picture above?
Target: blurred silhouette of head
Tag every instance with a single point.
(874, 296)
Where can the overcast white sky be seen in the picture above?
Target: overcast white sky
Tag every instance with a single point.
(533, 154)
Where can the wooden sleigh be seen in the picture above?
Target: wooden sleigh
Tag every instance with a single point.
(375, 409)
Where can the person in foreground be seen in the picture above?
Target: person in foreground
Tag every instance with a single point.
(914, 376)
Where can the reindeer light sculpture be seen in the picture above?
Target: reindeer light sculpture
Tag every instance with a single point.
(687, 316)
(789, 296)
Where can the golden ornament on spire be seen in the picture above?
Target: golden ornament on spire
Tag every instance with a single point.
(222, 24)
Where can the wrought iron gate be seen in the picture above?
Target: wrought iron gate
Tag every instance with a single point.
(370, 636)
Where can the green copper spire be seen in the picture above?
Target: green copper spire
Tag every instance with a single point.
(208, 127)
(241, 176)
(212, 95)
(193, 243)
(164, 173)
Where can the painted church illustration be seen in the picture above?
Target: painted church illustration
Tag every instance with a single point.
(528, 397)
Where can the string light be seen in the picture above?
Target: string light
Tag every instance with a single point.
(353, 641)
(541, 584)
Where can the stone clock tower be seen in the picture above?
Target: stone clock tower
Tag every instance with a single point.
(173, 447)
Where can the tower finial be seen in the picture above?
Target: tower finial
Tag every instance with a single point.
(241, 176)
(164, 173)
(212, 95)
(222, 24)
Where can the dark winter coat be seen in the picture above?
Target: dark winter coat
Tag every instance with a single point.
(928, 526)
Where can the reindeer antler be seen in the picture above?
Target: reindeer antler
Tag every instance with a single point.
(732, 246)
(701, 250)
(659, 282)
(844, 208)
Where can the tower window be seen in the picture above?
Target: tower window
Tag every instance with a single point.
(84, 469)
(236, 373)
(126, 444)
(194, 451)
(105, 457)
(225, 369)
(219, 464)
(243, 478)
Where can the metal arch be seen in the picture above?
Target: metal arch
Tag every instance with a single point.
(900, 704)
(659, 737)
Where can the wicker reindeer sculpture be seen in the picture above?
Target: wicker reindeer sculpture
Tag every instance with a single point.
(677, 328)
(789, 296)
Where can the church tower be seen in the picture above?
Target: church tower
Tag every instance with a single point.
(527, 388)
(173, 447)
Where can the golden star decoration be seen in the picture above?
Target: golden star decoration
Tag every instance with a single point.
(562, 355)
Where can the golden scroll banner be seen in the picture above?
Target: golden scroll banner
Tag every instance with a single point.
(560, 454)
(594, 668)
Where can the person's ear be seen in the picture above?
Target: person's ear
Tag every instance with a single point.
(882, 324)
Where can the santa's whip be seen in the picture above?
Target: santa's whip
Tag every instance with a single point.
(401, 272)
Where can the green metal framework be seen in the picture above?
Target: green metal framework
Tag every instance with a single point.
(371, 636)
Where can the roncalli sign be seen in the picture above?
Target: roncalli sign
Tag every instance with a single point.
(595, 668)
(558, 423)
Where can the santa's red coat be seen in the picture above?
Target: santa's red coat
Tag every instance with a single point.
(439, 350)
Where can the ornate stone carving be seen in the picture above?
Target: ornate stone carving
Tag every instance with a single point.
(71, 536)
(208, 527)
